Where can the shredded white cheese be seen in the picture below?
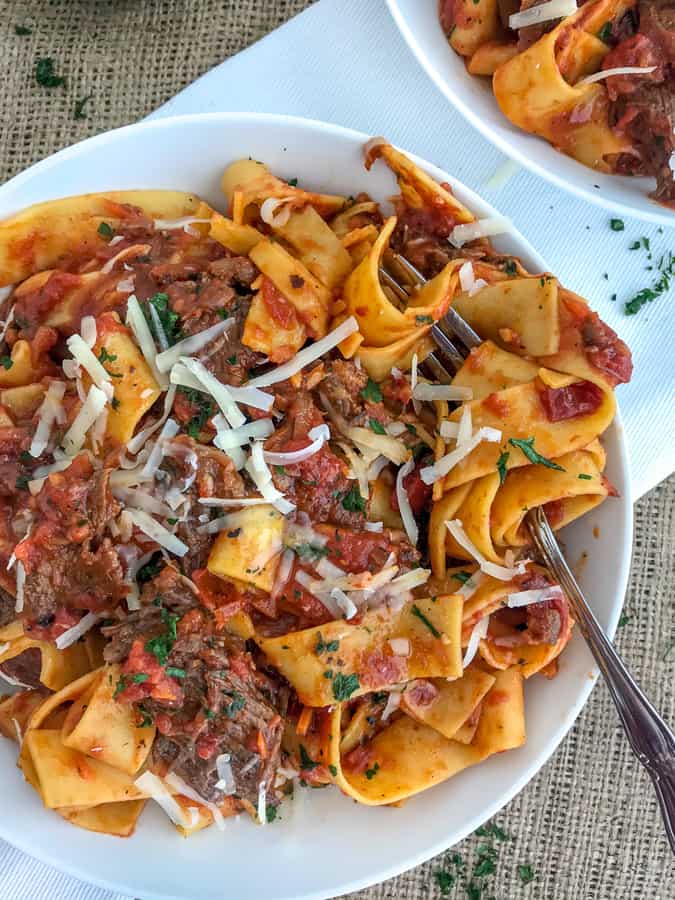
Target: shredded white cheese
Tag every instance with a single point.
(392, 704)
(430, 474)
(141, 330)
(429, 392)
(157, 790)
(318, 435)
(50, 411)
(191, 345)
(545, 12)
(502, 573)
(88, 330)
(307, 355)
(157, 532)
(84, 356)
(470, 231)
(619, 70)
(478, 634)
(90, 410)
(540, 595)
(276, 211)
(73, 634)
(404, 506)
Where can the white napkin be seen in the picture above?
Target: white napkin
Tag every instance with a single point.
(343, 61)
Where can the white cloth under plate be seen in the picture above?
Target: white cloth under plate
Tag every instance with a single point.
(343, 61)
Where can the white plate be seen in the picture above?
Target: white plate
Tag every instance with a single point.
(336, 846)
(418, 22)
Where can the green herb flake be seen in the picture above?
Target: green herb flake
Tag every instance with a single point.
(174, 672)
(605, 33)
(492, 830)
(115, 403)
(424, 320)
(417, 612)
(293, 182)
(146, 719)
(161, 645)
(501, 466)
(270, 812)
(333, 770)
(372, 392)
(105, 230)
(376, 426)
(310, 552)
(411, 428)
(119, 687)
(510, 268)
(237, 703)
(139, 677)
(584, 477)
(372, 772)
(45, 75)
(462, 577)
(21, 482)
(344, 686)
(326, 646)
(209, 714)
(634, 246)
(168, 319)
(353, 501)
(525, 873)
(445, 881)
(306, 761)
(104, 356)
(78, 111)
(616, 224)
(6, 362)
(623, 620)
(526, 445)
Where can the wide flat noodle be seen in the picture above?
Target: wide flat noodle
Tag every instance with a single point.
(365, 653)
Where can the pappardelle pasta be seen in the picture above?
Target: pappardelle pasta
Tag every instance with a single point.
(247, 542)
(596, 81)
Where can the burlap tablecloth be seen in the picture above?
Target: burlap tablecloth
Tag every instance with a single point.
(587, 824)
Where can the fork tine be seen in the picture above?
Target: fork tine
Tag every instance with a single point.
(389, 281)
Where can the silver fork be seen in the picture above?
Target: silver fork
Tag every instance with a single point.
(650, 737)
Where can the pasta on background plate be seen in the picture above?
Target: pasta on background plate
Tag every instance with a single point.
(594, 78)
(246, 540)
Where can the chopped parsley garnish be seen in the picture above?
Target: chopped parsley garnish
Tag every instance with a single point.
(605, 32)
(6, 362)
(332, 769)
(326, 646)
(115, 403)
(344, 686)
(280, 470)
(236, 705)
(104, 356)
(306, 761)
(411, 428)
(444, 880)
(525, 873)
(161, 645)
(526, 445)
(623, 620)
(491, 830)
(45, 75)
(21, 482)
(147, 719)
(205, 409)
(293, 182)
(424, 320)
(666, 267)
(209, 714)
(168, 319)
(139, 677)
(510, 267)
(353, 501)
(634, 246)
(616, 224)
(150, 569)
(416, 611)
(310, 552)
(462, 577)
(78, 112)
(372, 392)
(119, 687)
(372, 772)
(485, 864)
(376, 426)
(223, 313)
(501, 465)
(270, 813)
(174, 672)
(22, 30)
(105, 230)
(585, 477)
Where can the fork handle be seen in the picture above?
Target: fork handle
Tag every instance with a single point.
(650, 737)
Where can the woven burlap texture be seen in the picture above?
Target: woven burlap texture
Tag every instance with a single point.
(588, 823)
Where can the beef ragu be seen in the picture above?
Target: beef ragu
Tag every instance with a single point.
(231, 508)
(632, 112)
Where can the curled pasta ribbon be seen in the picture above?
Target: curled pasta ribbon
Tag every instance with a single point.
(415, 752)
(57, 667)
(40, 237)
(538, 89)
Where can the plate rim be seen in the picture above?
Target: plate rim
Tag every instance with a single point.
(48, 854)
(654, 217)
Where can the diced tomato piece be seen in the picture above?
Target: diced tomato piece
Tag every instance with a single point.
(418, 492)
(582, 398)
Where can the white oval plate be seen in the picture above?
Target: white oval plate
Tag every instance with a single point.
(335, 846)
(417, 21)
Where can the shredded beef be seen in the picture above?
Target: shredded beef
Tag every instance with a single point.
(25, 667)
(343, 385)
(7, 608)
